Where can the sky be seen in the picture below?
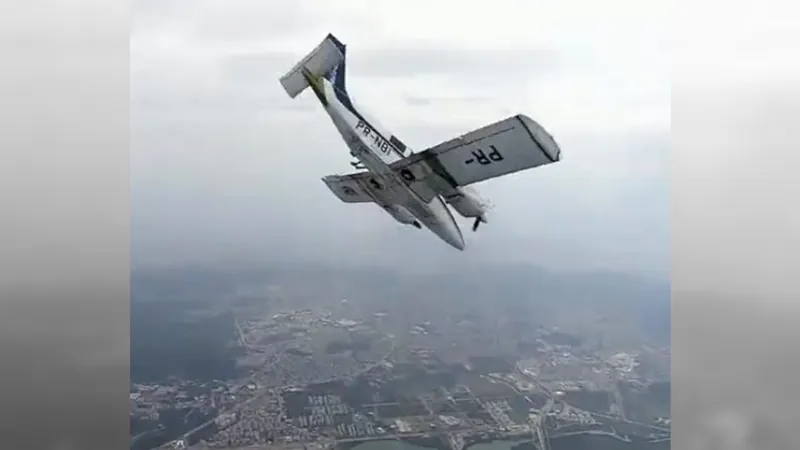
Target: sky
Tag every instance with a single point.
(225, 165)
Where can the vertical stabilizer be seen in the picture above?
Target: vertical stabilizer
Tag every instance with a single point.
(327, 59)
(337, 75)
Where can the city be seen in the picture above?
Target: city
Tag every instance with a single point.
(339, 373)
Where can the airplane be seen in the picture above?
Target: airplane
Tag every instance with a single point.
(415, 188)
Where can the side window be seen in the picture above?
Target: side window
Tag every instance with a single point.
(399, 145)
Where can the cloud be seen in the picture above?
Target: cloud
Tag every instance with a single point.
(453, 61)
(224, 163)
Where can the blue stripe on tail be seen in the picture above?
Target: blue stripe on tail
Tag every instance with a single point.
(336, 75)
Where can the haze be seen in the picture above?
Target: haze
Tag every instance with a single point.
(224, 165)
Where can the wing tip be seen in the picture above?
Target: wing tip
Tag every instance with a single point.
(542, 137)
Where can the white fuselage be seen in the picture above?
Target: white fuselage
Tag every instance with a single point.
(372, 149)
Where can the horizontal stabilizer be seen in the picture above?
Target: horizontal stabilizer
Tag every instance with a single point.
(324, 58)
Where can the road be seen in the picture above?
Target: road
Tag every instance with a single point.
(474, 430)
(538, 434)
(483, 429)
(594, 432)
(633, 422)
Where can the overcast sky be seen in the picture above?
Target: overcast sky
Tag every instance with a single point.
(225, 164)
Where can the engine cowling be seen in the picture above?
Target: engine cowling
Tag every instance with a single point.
(468, 203)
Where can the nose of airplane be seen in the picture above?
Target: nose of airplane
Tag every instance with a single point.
(450, 233)
(456, 241)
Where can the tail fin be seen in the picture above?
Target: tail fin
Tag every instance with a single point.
(337, 75)
(327, 59)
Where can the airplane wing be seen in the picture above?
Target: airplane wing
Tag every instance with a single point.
(504, 147)
(360, 187)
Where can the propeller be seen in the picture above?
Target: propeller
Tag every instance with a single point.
(486, 206)
(477, 223)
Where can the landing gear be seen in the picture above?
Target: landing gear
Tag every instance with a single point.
(417, 225)
(358, 165)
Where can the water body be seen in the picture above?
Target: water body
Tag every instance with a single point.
(575, 442)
